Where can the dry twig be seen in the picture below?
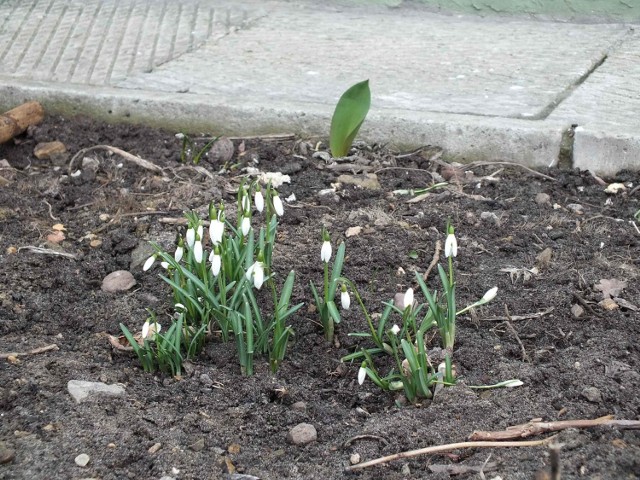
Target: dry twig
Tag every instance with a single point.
(35, 351)
(434, 260)
(512, 164)
(141, 162)
(446, 448)
(528, 316)
(525, 357)
(365, 437)
(536, 427)
(47, 251)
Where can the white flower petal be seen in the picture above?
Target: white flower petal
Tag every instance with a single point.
(164, 265)
(179, 253)
(145, 329)
(216, 263)
(191, 237)
(490, 295)
(345, 300)
(362, 375)
(408, 298)
(258, 275)
(200, 232)
(216, 230)
(325, 252)
(451, 246)
(149, 263)
(395, 329)
(197, 251)
(277, 205)
(259, 201)
(246, 226)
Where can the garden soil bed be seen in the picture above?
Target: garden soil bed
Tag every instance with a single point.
(576, 358)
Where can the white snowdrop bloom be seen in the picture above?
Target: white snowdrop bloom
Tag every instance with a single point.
(277, 204)
(512, 383)
(256, 272)
(245, 202)
(216, 263)
(216, 230)
(149, 263)
(179, 306)
(191, 237)
(490, 295)
(451, 246)
(362, 375)
(200, 232)
(179, 253)
(246, 226)
(164, 265)
(325, 252)
(395, 329)
(197, 251)
(345, 299)
(259, 200)
(150, 329)
(408, 298)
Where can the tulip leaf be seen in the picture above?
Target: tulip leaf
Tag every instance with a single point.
(350, 112)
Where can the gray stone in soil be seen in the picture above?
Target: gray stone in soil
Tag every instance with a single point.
(299, 407)
(82, 391)
(543, 198)
(490, 218)
(139, 255)
(6, 454)
(302, 434)
(118, 281)
(82, 460)
(198, 445)
(592, 394)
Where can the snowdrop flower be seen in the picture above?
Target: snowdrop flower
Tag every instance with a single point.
(197, 251)
(191, 237)
(179, 306)
(512, 383)
(246, 205)
(490, 295)
(216, 230)
(200, 232)
(408, 299)
(149, 263)
(179, 251)
(256, 271)
(362, 373)
(150, 328)
(246, 225)
(325, 252)
(345, 299)
(165, 265)
(216, 262)
(277, 204)
(395, 329)
(258, 199)
(451, 245)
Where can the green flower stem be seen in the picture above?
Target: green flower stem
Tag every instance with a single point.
(377, 340)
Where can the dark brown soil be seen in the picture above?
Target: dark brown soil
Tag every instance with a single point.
(572, 367)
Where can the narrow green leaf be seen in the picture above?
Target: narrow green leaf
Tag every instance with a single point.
(350, 112)
(333, 311)
(336, 271)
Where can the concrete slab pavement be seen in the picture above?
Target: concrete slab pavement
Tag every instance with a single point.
(482, 88)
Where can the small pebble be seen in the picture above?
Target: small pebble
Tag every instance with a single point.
(575, 208)
(198, 445)
(299, 406)
(406, 470)
(82, 460)
(206, 380)
(543, 199)
(577, 311)
(118, 281)
(354, 459)
(6, 454)
(154, 448)
(490, 218)
(592, 394)
(302, 434)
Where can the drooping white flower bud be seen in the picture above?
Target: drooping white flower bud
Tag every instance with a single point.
(150, 329)
(451, 246)
(277, 204)
(191, 237)
(245, 202)
(259, 200)
(490, 295)
(256, 272)
(216, 230)
(197, 251)
(179, 252)
(408, 299)
(149, 263)
(362, 373)
(246, 226)
(325, 252)
(216, 263)
(395, 329)
(164, 265)
(345, 299)
(200, 232)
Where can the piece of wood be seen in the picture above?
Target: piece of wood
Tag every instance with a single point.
(16, 121)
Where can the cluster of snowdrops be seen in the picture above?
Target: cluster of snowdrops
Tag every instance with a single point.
(215, 283)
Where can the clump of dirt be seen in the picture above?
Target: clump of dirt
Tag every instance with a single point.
(577, 356)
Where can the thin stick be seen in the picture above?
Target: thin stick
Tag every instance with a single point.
(141, 162)
(365, 437)
(51, 211)
(512, 164)
(35, 351)
(434, 260)
(47, 251)
(528, 316)
(536, 428)
(272, 137)
(448, 447)
(525, 357)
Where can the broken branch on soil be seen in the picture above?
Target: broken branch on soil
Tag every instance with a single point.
(35, 351)
(584, 303)
(525, 357)
(434, 260)
(55, 219)
(528, 316)
(141, 162)
(536, 427)
(448, 447)
(47, 251)
(512, 164)
(463, 469)
(365, 437)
